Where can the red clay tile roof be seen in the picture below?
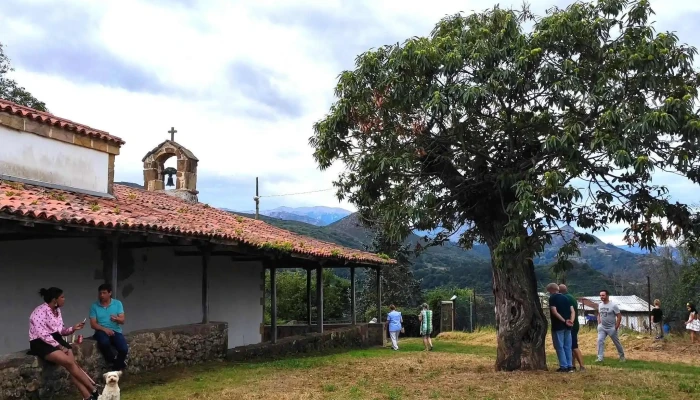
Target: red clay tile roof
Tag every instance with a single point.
(140, 210)
(50, 119)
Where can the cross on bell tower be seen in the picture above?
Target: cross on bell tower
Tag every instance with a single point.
(172, 133)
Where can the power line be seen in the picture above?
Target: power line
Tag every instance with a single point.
(295, 194)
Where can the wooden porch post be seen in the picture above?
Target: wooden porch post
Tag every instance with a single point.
(115, 265)
(308, 295)
(319, 298)
(353, 309)
(206, 253)
(379, 295)
(273, 304)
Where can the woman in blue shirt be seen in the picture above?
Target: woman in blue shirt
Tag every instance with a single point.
(394, 320)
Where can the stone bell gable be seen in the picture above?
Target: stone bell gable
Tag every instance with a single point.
(154, 167)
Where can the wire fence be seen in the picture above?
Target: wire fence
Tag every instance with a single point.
(465, 314)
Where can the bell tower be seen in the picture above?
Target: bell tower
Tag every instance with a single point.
(155, 173)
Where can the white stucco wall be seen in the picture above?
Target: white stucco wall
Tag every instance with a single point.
(29, 156)
(162, 290)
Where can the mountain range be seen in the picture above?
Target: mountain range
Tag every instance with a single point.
(318, 215)
(599, 266)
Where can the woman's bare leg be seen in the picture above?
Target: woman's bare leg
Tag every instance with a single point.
(67, 361)
(85, 392)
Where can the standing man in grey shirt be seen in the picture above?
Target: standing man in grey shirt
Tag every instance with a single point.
(609, 319)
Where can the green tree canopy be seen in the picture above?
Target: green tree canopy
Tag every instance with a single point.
(291, 296)
(10, 90)
(399, 286)
(513, 132)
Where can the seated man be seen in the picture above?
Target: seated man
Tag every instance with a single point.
(106, 318)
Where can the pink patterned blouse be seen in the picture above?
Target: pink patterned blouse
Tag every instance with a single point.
(43, 322)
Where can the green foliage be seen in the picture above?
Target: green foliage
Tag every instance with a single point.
(291, 296)
(399, 287)
(451, 266)
(434, 297)
(676, 284)
(10, 90)
(487, 126)
(284, 247)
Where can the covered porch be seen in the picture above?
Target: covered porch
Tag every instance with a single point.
(317, 323)
(191, 278)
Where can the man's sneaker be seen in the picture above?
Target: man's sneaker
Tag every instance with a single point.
(563, 369)
(600, 360)
(571, 369)
(622, 359)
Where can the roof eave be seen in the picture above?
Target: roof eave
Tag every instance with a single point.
(223, 241)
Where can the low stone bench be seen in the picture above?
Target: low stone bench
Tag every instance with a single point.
(23, 376)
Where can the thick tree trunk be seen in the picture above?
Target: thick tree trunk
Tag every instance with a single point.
(521, 323)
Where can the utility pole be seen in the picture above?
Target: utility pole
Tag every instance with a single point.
(257, 199)
(649, 301)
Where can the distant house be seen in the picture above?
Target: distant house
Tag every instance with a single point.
(634, 310)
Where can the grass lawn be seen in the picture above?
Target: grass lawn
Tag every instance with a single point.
(461, 367)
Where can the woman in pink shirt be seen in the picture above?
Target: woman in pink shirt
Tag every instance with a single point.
(46, 331)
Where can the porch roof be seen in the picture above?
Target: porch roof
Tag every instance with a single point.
(136, 210)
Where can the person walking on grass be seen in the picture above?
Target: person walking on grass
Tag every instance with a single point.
(394, 320)
(609, 320)
(576, 353)
(693, 323)
(657, 317)
(562, 314)
(426, 326)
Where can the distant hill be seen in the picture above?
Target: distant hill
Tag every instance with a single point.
(319, 215)
(449, 264)
(446, 265)
(130, 184)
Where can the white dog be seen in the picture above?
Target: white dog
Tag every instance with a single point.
(111, 391)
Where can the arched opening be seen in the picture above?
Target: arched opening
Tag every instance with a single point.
(170, 167)
(167, 171)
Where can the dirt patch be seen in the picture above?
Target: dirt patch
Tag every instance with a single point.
(673, 349)
(449, 376)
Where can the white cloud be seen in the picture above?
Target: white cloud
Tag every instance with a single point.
(175, 59)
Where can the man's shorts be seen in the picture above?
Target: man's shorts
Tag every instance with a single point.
(574, 338)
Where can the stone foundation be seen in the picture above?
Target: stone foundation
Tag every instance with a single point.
(285, 331)
(377, 334)
(358, 336)
(25, 377)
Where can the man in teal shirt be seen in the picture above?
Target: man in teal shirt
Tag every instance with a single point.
(107, 318)
(576, 353)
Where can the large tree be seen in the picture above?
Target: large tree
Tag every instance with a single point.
(513, 125)
(10, 90)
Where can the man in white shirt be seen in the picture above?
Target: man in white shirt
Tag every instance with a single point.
(609, 319)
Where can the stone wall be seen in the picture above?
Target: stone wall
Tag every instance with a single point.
(285, 331)
(24, 377)
(377, 334)
(343, 338)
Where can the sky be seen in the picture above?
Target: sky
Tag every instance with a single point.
(241, 81)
